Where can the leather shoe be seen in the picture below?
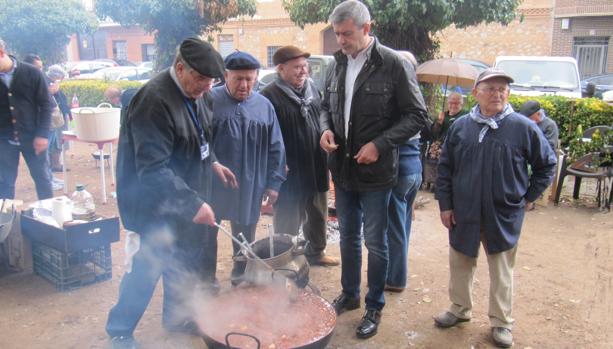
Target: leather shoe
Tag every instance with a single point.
(123, 342)
(323, 260)
(503, 337)
(344, 302)
(447, 319)
(369, 324)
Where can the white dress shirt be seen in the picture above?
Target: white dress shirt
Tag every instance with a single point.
(354, 66)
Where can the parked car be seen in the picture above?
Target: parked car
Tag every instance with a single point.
(265, 77)
(542, 75)
(479, 65)
(75, 69)
(120, 73)
(146, 64)
(603, 83)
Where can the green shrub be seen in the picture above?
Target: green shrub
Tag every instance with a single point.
(91, 92)
(572, 116)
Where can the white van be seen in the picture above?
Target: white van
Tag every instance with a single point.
(541, 75)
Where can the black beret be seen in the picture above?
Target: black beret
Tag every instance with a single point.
(202, 57)
(240, 60)
(287, 53)
(529, 108)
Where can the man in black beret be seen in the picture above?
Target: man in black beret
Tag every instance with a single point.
(303, 199)
(533, 111)
(248, 140)
(164, 171)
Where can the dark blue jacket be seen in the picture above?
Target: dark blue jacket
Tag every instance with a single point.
(26, 105)
(487, 184)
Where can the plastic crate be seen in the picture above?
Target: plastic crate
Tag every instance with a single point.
(71, 270)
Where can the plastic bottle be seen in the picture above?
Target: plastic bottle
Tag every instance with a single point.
(83, 206)
(75, 101)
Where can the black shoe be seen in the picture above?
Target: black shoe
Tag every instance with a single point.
(344, 302)
(369, 324)
(123, 342)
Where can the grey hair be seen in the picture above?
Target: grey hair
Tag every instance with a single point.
(2, 44)
(55, 72)
(456, 94)
(350, 9)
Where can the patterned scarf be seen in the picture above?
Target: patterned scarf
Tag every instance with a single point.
(489, 122)
(303, 98)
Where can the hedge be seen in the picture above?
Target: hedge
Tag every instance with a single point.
(91, 92)
(573, 116)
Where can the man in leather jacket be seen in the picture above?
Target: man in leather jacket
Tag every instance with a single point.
(372, 104)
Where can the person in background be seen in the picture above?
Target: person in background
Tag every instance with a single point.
(56, 74)
(303, 199)
(248, 140)
(113, 95)
(371, 105)
(533, 111)
(164, 170)
(455, 103)
(25, 119)
(483, 189)
(34, 60)
(400, 209)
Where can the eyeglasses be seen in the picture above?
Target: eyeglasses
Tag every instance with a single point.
(492, 90)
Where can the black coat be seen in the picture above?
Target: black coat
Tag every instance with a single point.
(161, 180)
(308, 172)
(387, 109)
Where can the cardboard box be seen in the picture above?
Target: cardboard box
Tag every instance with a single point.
(71, 238)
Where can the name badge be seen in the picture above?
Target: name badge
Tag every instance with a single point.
(204, 151)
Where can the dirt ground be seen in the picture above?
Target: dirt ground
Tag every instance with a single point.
(563, 287)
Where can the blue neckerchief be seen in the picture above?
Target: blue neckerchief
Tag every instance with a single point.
(491, 122)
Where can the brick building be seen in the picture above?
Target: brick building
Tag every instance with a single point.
(583, 29)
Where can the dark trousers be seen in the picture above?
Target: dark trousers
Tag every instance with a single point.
(180, 270)
(37, 164)
(311, 213)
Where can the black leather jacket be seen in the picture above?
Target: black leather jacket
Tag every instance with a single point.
(387, 109)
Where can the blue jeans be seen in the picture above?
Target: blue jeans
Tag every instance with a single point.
(37, 164)
(399, 230)
(354, 208)
(157, 257)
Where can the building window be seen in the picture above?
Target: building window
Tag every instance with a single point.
(270, 51)
(591, 55)
(148, 52)
(226, 44)
(120, 50)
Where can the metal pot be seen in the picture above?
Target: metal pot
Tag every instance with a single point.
(262, 317)
(287, 259)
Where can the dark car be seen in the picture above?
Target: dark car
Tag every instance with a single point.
(602, 82)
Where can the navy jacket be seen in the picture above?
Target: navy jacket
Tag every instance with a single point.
(29, 104)
(486, 184)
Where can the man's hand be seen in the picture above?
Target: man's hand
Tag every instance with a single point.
(441, 118)
(529, 206)
(40, 145)
(327, 142)
(367, 154)
(225, 175)
(448, 219)
(270, 197)
(205, 215)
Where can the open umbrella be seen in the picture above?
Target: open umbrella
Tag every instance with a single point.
(447, 71)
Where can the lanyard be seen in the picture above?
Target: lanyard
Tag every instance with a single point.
(195, 120)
